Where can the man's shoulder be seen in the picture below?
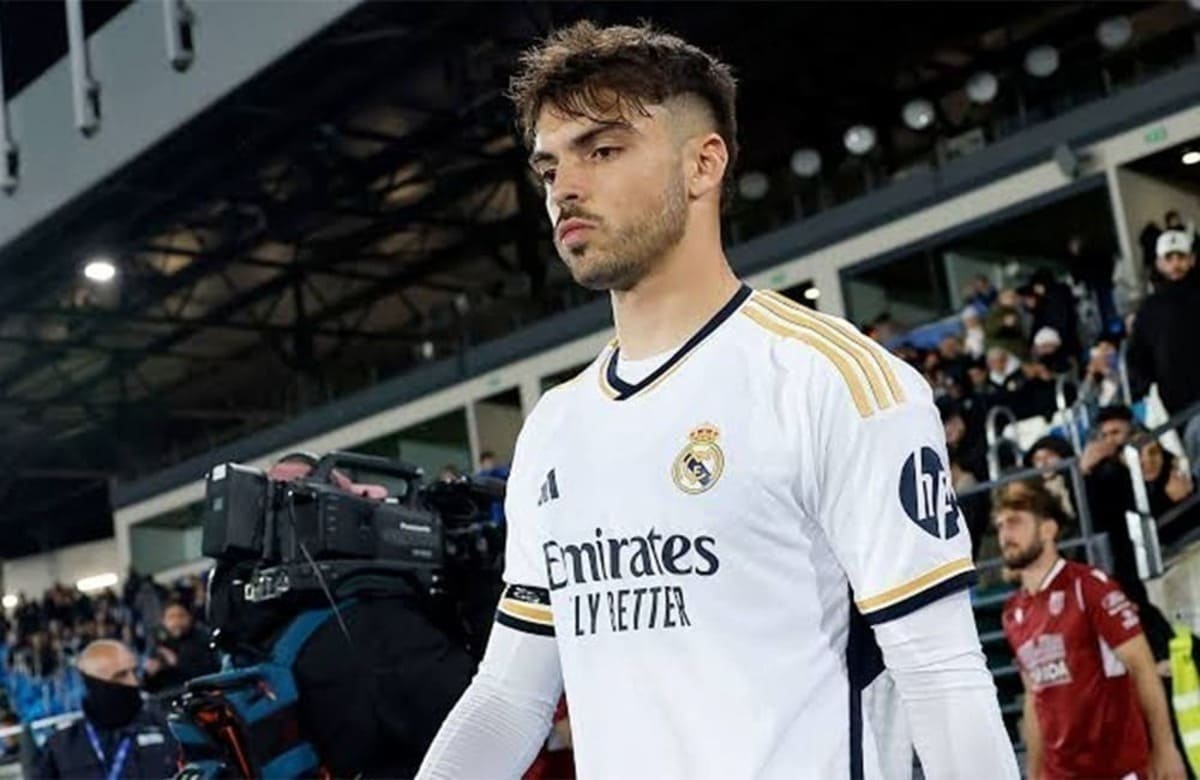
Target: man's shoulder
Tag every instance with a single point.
(826, 356)
(66, 733)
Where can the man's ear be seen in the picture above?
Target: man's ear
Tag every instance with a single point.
(707, 158)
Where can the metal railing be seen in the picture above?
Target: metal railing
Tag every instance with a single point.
(1144, 528)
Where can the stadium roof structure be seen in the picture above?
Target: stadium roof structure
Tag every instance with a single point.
(361, 205)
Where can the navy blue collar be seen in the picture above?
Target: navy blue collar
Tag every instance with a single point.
(626, 390)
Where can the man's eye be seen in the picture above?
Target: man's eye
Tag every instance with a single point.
(605, 152)
(547, 176)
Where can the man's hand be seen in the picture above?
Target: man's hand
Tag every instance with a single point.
(1179, 486)
(1166, 763)
(168, 656)
(1094, 452)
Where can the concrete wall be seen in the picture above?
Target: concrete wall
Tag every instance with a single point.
(157, 549)
(34, 574)
(497, 426)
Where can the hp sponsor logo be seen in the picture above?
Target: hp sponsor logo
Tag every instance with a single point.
(926, 494)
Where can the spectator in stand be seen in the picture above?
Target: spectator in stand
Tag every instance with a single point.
(490, 467)
(1163, 344)
(1101, 382)
(1049, 351)
(1004, 372)
(974, 336)
(882, 329)
(1047, 453)
(953, 360)
(977, 380)
(1167, 485)
(182, 652)
(1052, 305)
(1094, 270)
(1005, 325)
(1110, 495)
(980, 293)
(1081, 718)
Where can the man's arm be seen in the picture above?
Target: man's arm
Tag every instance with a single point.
(1165, 760)
(883, 496)
(934, 657)
(501, 721)
(1032, 731)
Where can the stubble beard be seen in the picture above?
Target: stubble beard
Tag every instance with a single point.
(632, 251)
(1022, 559)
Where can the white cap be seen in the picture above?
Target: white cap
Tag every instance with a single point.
(1046, 337)
(1173, 241)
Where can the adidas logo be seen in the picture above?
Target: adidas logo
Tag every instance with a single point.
(549, 490)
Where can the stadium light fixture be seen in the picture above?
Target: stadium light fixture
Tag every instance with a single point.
(1114, 32)
(982, 87)
(1041, 61)
(753, 185)
(859, 140)
(806, 163)
(98, 582)
(918, 114)
(811, 294)
(100, 269)
(1191, 157)
(10, 601)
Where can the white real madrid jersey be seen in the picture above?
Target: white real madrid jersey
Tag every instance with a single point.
(708, 546)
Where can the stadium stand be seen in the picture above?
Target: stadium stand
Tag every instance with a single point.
(366, 268)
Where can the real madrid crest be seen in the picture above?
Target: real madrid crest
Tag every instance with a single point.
(700, 463)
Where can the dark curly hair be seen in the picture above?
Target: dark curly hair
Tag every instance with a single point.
(590, 71)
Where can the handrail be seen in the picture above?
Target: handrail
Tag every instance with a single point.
(1123, 372)
(1068, 410)
(52, 720)
(994, 440)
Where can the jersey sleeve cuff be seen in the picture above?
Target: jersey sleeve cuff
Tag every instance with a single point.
(526, 608)
(910, 596)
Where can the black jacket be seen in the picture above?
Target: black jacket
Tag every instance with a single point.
(374, 709)
(1165, 346)
(69, 754)
(195, 658)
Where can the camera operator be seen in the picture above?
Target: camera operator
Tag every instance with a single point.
(371, 702)
(182, 651)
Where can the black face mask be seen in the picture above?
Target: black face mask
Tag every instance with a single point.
(110, 705)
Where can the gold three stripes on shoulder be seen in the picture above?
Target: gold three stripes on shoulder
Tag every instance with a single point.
(861, 362)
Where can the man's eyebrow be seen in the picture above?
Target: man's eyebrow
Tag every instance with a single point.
(583, 139)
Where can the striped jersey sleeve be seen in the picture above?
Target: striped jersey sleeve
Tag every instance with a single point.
(874, 473)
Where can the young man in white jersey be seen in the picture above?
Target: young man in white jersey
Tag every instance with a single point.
(708, 522)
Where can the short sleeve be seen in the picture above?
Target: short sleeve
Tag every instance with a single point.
(882, 491)
(525, 605)
(1112, 615)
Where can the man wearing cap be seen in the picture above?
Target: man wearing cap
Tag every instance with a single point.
(1162, 347)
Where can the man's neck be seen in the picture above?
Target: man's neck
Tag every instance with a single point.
(1034, 575)
(682, 293)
